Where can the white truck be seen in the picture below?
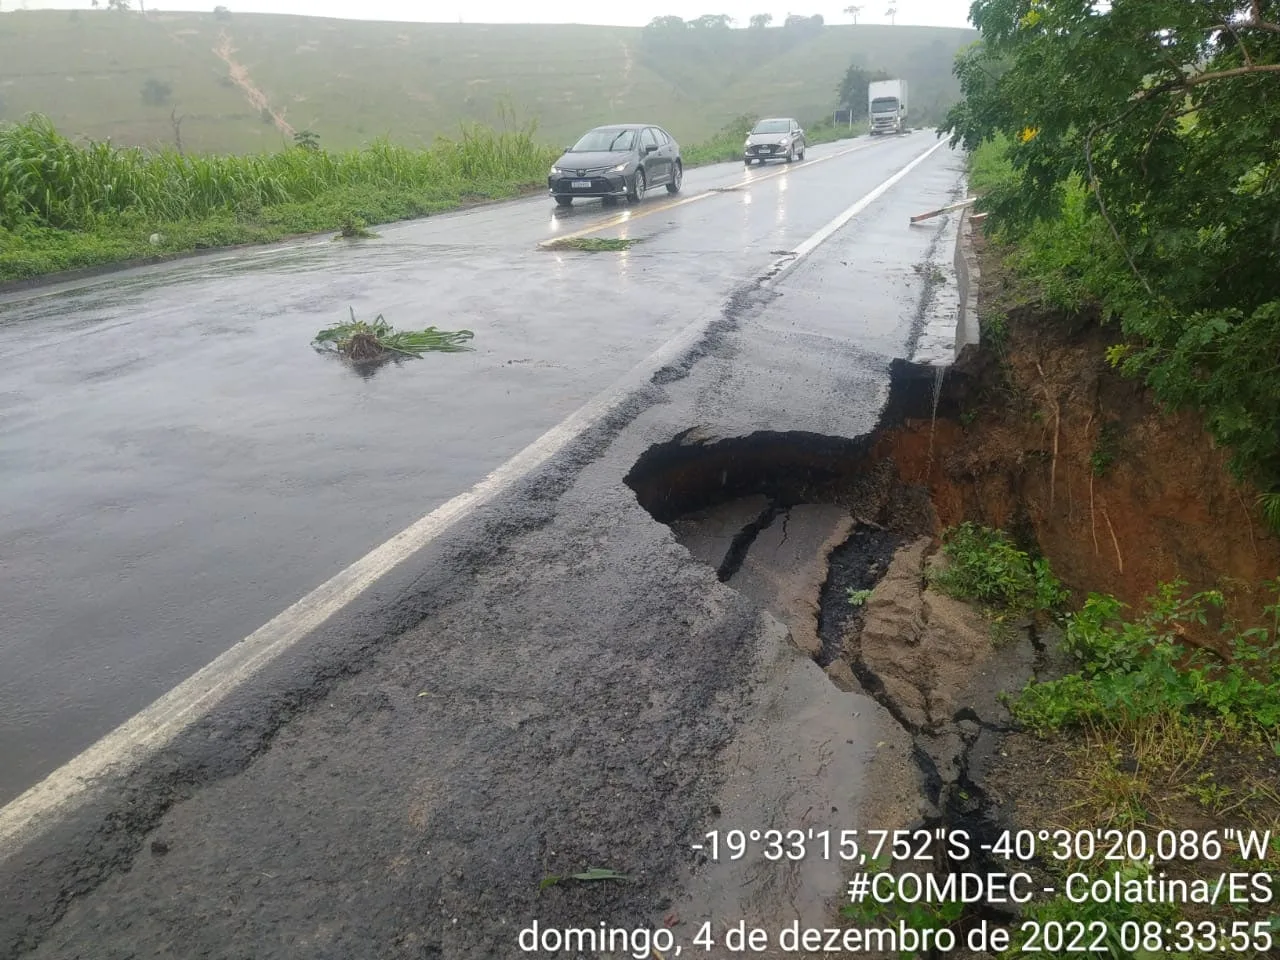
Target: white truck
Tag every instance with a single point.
(887, 106)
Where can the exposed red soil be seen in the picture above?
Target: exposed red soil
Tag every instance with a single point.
(1017, 451)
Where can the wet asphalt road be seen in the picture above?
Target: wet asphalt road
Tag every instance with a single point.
(555, 685)
(177, 465)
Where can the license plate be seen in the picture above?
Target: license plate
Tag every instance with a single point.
(582, 184)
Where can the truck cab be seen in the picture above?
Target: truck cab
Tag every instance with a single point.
(887, 106)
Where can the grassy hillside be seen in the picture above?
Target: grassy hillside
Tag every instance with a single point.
(246, 83)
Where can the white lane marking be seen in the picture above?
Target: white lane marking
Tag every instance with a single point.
(159, 724)
(783, 265)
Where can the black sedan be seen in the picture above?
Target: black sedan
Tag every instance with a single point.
(623, 160)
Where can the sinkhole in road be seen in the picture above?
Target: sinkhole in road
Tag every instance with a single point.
(808, 526)
(803, 523)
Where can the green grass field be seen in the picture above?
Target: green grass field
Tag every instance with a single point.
(355, 81)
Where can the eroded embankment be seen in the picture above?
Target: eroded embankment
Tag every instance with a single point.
(1037, 434)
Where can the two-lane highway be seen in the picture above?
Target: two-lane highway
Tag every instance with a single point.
(177, 465)
(499, 668)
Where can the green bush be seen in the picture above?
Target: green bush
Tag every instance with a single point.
(1132, 669)
(984, 566)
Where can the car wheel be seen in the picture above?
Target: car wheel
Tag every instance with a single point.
(638, 187)
(802, 154)
(677, 178)
(791, 154)
(746, 163)
(564, 201)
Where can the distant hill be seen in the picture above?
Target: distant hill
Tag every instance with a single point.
(246, 82)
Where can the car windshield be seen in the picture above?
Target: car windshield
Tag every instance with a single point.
(605, 140)
(772, 126)
(884, 104)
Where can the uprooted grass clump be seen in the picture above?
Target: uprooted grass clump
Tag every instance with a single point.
(594, 244)
(364, 341)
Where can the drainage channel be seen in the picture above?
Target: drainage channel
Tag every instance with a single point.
(823, 533)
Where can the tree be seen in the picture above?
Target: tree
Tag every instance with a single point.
(221, 13)
(712, 21)
(852, 89)
(795, 20)
(892, 14)
(761, 20)
(156, 92)
(307, 140)
(120, 5)
(1145, 134)
(853, 12)
(667, 23)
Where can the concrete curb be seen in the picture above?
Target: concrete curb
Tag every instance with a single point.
(967, 277)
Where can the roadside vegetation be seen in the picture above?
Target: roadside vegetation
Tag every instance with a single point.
(1144, 191)
(65, 205)
(1164, 726)
(1127, 159)
(983, 566)
(1168, 727)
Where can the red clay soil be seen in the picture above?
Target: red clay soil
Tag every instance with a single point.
(1019, 448)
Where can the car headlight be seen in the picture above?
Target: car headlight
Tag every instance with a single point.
(618, 169)
(746, 142)
(555, 170)
(784, 141)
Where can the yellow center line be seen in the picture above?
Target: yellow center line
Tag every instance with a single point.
(629, 216)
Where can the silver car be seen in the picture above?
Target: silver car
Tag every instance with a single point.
(777, 138)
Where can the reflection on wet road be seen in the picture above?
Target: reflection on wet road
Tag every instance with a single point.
(177, 464)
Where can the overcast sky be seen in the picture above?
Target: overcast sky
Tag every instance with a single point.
(937, 13)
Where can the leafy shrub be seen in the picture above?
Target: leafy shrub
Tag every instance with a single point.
(858, 598)
(984, 566)
(1131, 669)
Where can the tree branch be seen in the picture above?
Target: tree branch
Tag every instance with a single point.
(1240, 43)
(1253, 22)
(1186, 83)
(1102, 208)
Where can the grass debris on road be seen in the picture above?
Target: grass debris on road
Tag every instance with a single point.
(593, 244)
(365, 341)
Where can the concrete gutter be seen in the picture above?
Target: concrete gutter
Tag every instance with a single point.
(967, 277)
(951, 312)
